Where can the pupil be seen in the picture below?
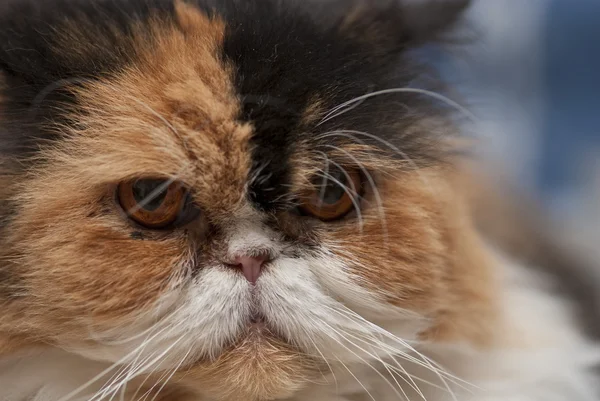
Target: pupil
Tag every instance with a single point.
(146, 194)
(333, 192)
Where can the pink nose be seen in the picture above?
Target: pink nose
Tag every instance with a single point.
(251, 266)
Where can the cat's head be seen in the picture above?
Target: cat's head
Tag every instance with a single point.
(246, 189)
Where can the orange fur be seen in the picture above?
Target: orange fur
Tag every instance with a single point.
(259, 367)
(420, 251)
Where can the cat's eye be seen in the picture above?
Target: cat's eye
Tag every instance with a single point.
(156, 203)
(333, 196)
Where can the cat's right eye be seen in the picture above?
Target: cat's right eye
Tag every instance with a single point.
(333, 198)
(156, 203)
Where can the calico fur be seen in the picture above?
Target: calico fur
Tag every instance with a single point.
(404, 298)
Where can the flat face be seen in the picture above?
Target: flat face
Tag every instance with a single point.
(238, 187)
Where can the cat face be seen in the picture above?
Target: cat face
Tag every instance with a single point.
(231, 190)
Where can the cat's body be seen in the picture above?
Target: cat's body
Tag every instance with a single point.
(242, 200)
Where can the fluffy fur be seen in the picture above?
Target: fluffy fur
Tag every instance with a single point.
(246, 103)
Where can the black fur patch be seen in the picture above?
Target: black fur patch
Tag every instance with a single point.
(37, 63)
(286, 58)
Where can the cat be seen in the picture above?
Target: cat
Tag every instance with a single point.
(253, 200)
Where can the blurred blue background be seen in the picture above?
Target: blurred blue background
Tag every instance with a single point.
(533, 80)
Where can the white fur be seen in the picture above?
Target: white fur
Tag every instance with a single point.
(317, 305)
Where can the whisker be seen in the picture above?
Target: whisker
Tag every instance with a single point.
(148, 376)
(324, 181)
(384, 364)
(427, 362)
(96, 337)
(331, 114)
(360, 219)
(425, 92)
(121, 372)
(376, 193)
(136, 372)
(174, 130)
(424, 359)
(356, 378)
(43, 94)
(350, 194)
(123, 391)
(442, 375)
(359, 357)
(351, 135)
(172, 373)
(323, 357)
(154, 194)
(157, 115)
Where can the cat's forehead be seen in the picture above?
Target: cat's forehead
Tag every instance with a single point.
(176, 110)
(233, 98)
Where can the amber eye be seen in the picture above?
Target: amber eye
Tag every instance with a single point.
(333, 197)
(156, 203)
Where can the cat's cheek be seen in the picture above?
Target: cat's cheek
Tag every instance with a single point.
(84, 278)
(397, 250)
(423, 256)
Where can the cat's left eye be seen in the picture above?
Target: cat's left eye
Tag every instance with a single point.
(334, 195)
(156, 203)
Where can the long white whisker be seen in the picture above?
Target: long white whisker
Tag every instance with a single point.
(354, 194)
(324, 359)
(140, 334)
(351, 135)
(376, 193)
(359, 357)
(324, 182)
(385, 364)
(100, 375)
(332, 114)
(143, 369)
(157, 115)
(356, 378)
(172, 373)
(426, 362)
(127, 369)
(111, 386)
(139, 349)
(346, 189)
(427, 365)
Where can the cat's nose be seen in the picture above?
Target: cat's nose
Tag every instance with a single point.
(251, 266)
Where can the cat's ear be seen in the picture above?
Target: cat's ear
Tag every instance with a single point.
(390, 24)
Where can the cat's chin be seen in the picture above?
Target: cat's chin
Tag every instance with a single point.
(259, 366)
